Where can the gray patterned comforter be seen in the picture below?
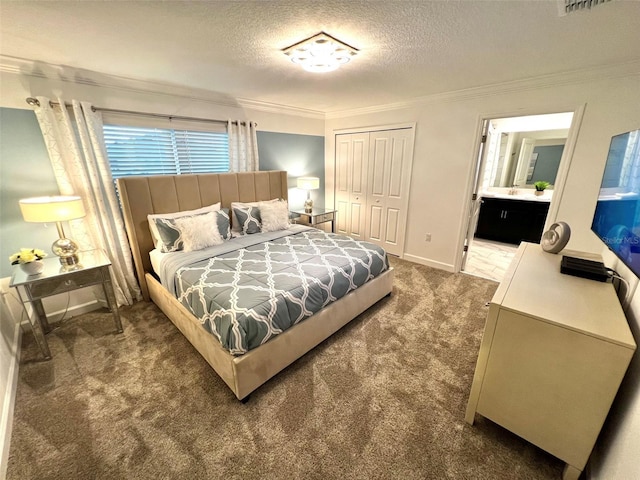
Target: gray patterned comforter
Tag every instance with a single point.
(247, 295)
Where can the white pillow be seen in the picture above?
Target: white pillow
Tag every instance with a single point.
(155, 235)
(275, 216)
(199, 232)
(235, 224)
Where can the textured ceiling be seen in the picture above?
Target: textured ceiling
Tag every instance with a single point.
(408, 49)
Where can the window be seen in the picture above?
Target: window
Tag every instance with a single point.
(134, 150)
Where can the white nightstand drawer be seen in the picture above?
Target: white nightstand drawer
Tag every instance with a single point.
(65, 283)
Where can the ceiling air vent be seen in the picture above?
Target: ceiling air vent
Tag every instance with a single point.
(570, 6)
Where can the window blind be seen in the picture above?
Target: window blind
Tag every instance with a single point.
(156, 151)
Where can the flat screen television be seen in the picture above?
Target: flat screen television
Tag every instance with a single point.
(617, 217)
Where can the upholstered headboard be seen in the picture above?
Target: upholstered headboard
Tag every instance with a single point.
(141, 196)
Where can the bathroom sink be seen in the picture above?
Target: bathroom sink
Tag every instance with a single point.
(519, 196)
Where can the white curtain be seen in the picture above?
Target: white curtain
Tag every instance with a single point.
(79, 159)
(243, 146)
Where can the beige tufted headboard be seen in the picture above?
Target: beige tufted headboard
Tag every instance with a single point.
(141, 196)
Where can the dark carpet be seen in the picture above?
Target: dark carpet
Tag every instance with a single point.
(384, 398)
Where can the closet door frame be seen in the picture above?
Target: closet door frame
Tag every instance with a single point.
(397, 126)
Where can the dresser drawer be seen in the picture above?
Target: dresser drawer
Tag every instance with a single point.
(327, 217)
(65, 283)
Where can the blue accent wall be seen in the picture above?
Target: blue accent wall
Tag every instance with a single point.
(547, 164)
(299, 155)
(25, 171)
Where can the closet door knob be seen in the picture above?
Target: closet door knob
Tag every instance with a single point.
(377, 201)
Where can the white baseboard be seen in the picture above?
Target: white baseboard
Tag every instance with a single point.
(429, 263)
(8, 400)
(73, 311)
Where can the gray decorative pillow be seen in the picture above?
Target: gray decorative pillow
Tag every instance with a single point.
(157, 241)
(172, 231)
(235, 226)
(223, 223)
(248, 219)
(169, 233)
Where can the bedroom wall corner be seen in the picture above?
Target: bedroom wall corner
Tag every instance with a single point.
(616, 452)
(446, 140)
(25, 171)
(10, 336)
(300, 155)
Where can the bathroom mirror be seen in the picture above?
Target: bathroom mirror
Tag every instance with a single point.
(524, 150)
(527, 157)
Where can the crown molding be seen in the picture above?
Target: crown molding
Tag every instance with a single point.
(24, 67)
(602, 72)
(281, 109)
(66, 74)
(37, 69)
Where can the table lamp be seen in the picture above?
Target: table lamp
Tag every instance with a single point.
(308, 184)
(55, 209)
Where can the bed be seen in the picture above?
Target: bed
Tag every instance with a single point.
(141, 196)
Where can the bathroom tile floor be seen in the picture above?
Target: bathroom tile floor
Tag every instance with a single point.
(489, 259)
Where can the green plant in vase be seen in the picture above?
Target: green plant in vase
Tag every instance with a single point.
(541, 186)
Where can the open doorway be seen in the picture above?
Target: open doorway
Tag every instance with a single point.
(517, 169)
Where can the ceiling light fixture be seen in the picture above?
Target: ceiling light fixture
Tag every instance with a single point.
(320, 53)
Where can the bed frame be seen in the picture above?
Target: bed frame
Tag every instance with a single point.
(141, 196)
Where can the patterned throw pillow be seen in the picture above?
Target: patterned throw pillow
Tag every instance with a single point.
(235, 225)
(198, 232)
(155, 234)
(224, 226)
(173, 232)
(248, 219)
(168, 233)
(275, 216)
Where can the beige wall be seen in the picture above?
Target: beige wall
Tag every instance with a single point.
(446, 136)
(616, 453)
(446, 142)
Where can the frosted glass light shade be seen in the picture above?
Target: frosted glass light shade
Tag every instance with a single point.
(308, 183)
(320, 53)
(51, 209)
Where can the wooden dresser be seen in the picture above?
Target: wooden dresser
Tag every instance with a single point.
(554, 351)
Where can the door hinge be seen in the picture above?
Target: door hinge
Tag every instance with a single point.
(483, 139)
(474, 197)
(465, 248)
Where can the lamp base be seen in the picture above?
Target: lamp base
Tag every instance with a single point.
(69, 260)
(308, 205)
(66, 250)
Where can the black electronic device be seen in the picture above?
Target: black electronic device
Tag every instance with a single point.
(580, 267)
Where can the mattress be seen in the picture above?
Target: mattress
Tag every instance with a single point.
(250, 289)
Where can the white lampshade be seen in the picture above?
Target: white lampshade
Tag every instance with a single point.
(51, 209)
(308, 183)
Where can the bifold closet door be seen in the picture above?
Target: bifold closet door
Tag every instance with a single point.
(352, 162)
(390, 153)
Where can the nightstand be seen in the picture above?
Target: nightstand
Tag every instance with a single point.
(93, 269)
(315, 217)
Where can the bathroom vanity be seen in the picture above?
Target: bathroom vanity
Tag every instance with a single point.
(512, 219)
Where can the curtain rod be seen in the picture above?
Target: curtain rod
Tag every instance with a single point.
(34, 101)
